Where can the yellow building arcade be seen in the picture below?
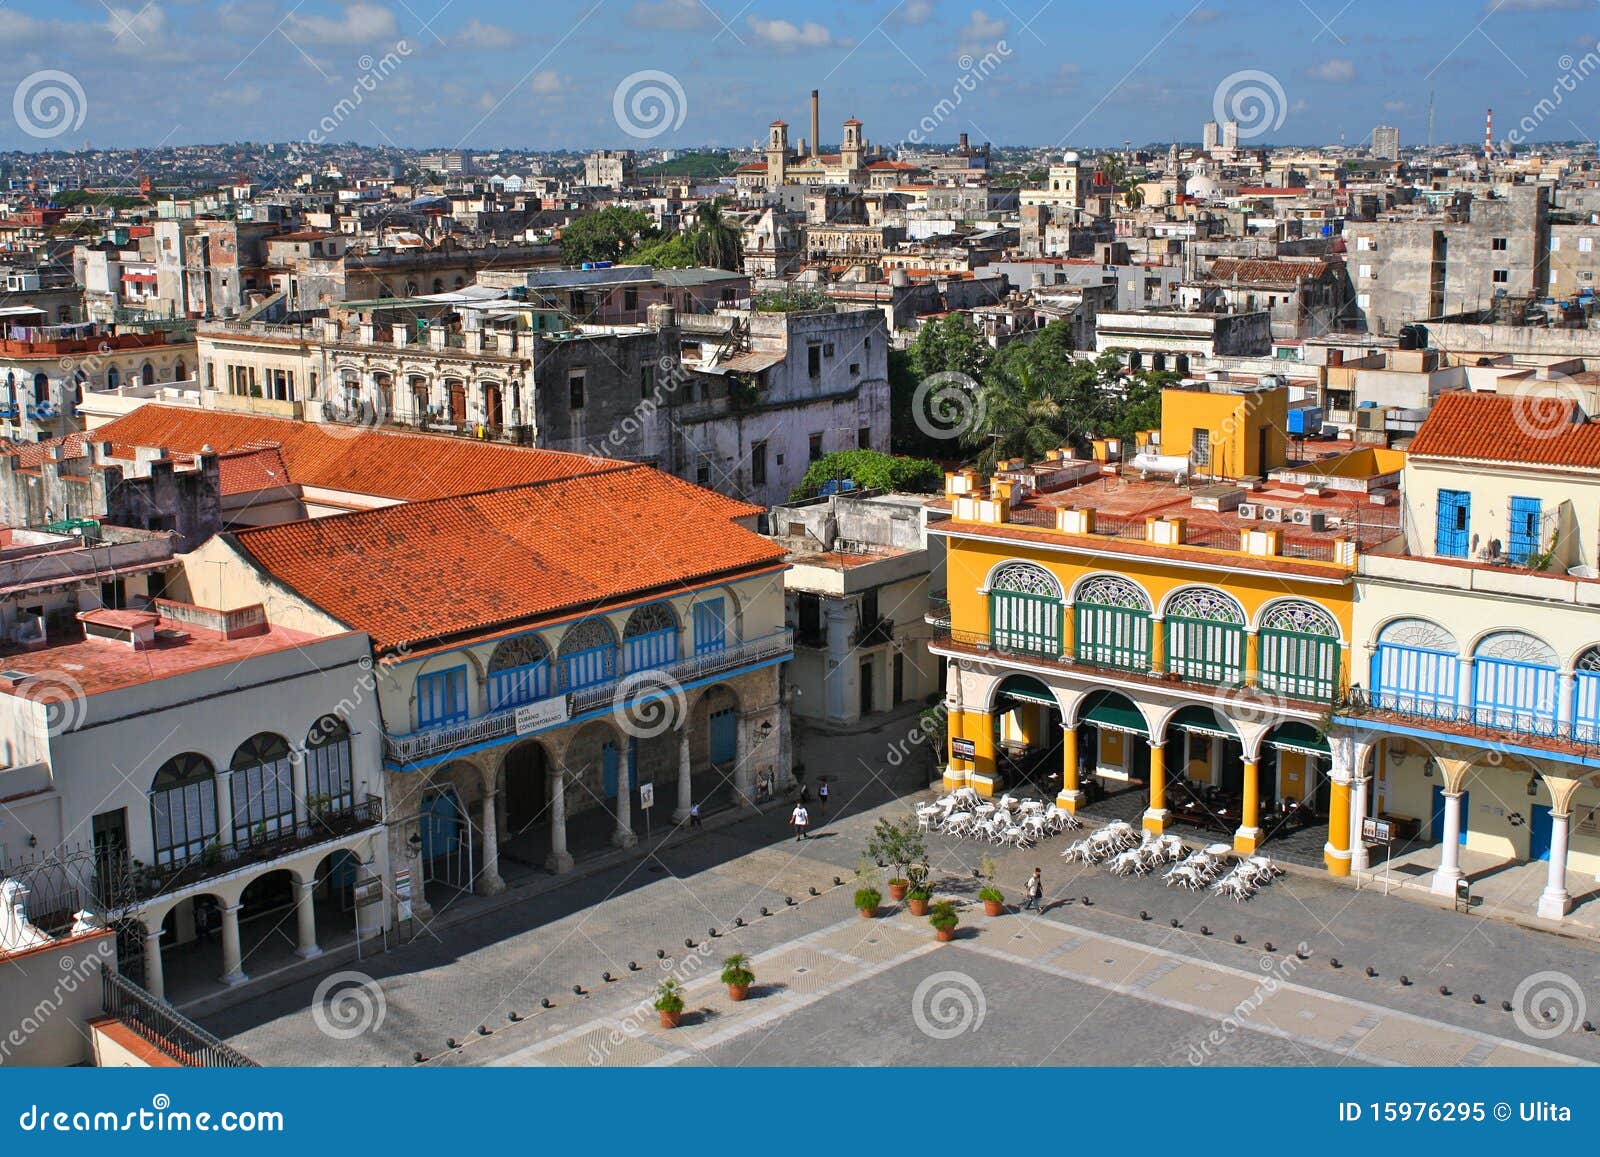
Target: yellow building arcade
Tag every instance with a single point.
(1180, 643)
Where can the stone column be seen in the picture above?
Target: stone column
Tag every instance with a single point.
(1071, 798)
(1555, 901)
(232, 956)
(305, 913)
(1445, 879)
(297, 785)
(1155, 817)
(680, 814)
(623, 836)
(1336, 852)
(154, 982)
(560, 860)
(1248, 838)
(1360, 805)
(224, 787)
(489, 882)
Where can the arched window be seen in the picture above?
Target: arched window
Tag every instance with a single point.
(41, 388)
(1586, 696)
(183, 808)
(1025, 610)
(180, 372)
(147, 374)
(1205, 636)
(1416, 670)
(519, 672)
(650, 638)
(263, 789)
(1300, 651)
(329, 787)
(588, 654)
(1112, 620)
(113, 379)
(1515, 683)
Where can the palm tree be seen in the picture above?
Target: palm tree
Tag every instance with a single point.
(1018, 415)
(717, 242)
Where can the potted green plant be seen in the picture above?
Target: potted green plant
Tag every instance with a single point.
(900, 844)
(944, 920)
(737, 976)
(867, 901)
(669, 1002)
(919, 894)
(994, 901)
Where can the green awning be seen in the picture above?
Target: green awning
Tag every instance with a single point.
(1301, 737)
(1115, 717)
(1030, 697)
(1203, 721)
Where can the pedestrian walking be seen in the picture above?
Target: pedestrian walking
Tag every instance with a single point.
(1035, 892)
(694, 815)
(800, 819)
(822, 796)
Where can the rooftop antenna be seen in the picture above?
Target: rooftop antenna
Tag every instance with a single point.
(1430, 118)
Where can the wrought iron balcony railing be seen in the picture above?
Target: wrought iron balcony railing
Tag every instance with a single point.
(502, 722)
(165, 1027)
(1481, 720)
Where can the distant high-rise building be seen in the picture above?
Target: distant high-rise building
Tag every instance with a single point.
(608, 170)
(1386, 143)
(1210, 136)
(1230, 134)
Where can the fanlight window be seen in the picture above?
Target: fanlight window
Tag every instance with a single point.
(183, 808)
(1203, 603)
(1025, 578)
(1110, 591)
(1300, 618)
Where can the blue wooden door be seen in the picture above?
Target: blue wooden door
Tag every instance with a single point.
(609, 765)
(724, 736)
(1539, 833)
(1438, 815)
(1455, 508)
(441, 829)
(1525, 527)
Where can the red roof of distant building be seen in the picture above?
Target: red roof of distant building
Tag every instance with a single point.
(1528, 428)
(394, 464)
(426, 571)
(246, 471)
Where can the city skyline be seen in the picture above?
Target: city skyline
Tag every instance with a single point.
(915, 71)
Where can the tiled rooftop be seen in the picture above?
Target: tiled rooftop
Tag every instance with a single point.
(1524, 428)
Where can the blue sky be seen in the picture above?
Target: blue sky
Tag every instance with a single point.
(546, 73)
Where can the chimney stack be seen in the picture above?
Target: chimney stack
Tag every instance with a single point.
(963, 142)
(816, 122)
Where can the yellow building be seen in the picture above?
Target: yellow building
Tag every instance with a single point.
(1107, 635)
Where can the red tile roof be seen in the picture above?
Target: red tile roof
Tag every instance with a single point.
(408, 467)
(1514, 428)
(246, 471)
(423, 572)
(1267, 272)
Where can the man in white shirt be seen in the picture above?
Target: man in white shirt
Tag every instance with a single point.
(800, 819)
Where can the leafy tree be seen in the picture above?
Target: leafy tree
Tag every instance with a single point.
(788, 301)
(666, 253)
(871, 470)
(949, 345)
(716, 241)
(606, 235)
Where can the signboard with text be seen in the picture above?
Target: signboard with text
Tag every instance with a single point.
(545, 713)
(647, 795)
(1377, 831)
(963, 749)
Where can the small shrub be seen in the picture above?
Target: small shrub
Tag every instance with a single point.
(669, 996)
(991, 896)
(736, 971)
(943, 915)
(868, 899)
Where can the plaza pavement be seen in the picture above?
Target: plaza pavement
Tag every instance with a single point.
(1104, 977)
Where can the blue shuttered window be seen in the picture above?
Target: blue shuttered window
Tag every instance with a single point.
(1416, 680)
(710, 627)
(442, 697)
(1514, 695)
(653, 649)
(589, 668)
(1455, 508)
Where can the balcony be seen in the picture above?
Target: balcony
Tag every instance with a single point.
(1481, 722)
(163, 1026)
(502, 723)
(875, 634)
(147, 881)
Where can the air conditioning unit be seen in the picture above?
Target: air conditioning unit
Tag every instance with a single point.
(1319, 521)
(1272, 514)
(1300, 516)
(1249, 510)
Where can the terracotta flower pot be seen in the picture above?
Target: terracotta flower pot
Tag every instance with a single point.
(918, 907)
(738, 991)
(993, 907)
(897, 892)
(868, 913)
(945, 935)
(670, 1019)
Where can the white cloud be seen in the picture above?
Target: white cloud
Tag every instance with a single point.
(916, 11)
(1539, 6)
(137, 29)
(361, 24)
(981, 33)
(1396, 106)
(784, 35)
(246, 96)
(476, 34)
(545, 83)
(1334, 71)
